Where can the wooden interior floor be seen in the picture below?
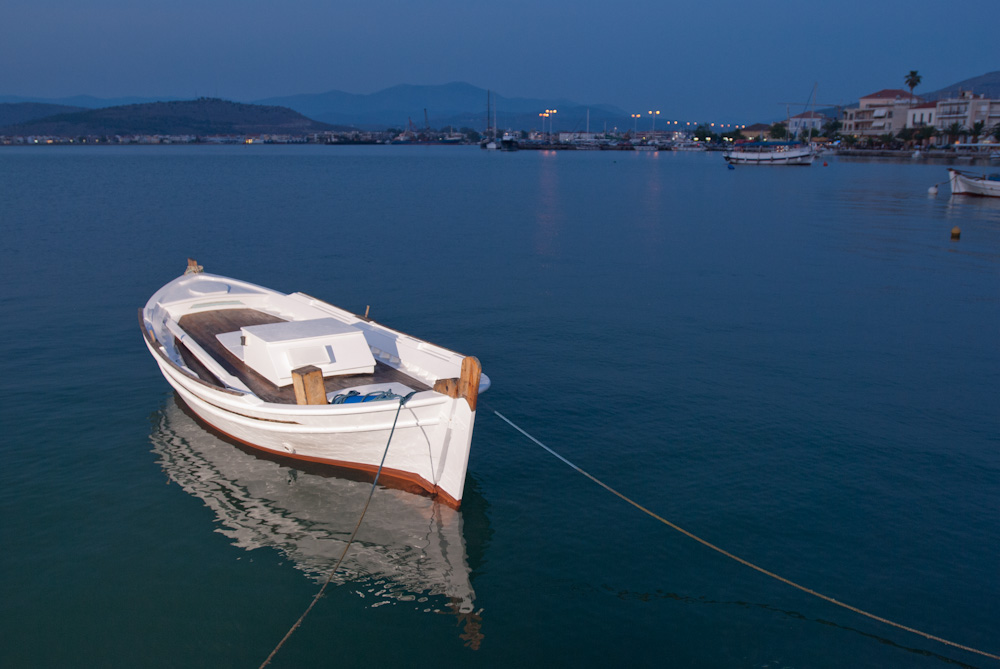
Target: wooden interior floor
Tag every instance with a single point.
(203, 328)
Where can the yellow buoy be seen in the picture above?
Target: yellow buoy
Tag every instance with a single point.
(955, 232)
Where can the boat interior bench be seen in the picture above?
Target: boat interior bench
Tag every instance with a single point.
(227, 333)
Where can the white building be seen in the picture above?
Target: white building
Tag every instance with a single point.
(879, 113)
(806, 121)
(967, 110)
(921, 115)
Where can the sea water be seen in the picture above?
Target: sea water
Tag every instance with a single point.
(797, 365)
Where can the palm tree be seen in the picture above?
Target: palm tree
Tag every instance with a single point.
(831, 129)
(953, 131)
(912, 80)
(907, 135)
(926, 133)
(978, 128)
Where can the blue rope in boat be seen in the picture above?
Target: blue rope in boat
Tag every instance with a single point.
(741, 560)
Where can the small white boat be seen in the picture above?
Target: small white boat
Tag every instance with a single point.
(294, 376)
(964, 183)
(770, 153)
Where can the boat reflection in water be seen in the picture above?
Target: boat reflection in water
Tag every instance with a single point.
(409, 548)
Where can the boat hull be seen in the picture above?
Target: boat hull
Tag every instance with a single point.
(804, 157)
(428, 450)
(962, 184)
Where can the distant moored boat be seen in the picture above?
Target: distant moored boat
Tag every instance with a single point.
(770, 153)
(963, 183)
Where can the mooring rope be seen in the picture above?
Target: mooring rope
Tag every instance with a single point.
(746, 563)
(350, 541)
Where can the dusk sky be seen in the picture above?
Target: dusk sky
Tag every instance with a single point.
(718, 60)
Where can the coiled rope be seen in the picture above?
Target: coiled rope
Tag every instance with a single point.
(746, 563)
(354, 534)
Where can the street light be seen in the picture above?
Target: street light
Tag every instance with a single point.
(654, 114)
(549, 113)
(635, 124)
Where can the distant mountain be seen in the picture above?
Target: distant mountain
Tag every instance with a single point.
(21, 112)
(988, 84)
(456, 104)
(205, 116)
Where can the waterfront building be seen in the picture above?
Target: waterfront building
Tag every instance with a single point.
(806, 121)
(921, 115)
(966, 110)
(879, 113)
(757, 131)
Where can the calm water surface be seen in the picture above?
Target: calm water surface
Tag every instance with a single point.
(796, 364)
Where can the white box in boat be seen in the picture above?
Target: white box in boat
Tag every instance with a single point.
(273, 350)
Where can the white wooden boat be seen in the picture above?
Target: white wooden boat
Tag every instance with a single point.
(964, 183)
(297, 377)
(409, 545)
(769, 153)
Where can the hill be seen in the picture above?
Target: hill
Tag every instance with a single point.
(22, 112)
(84, 101)
(988, 84)
(456, 104)
(205, 116)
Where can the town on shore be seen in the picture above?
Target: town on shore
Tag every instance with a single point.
(883, 122)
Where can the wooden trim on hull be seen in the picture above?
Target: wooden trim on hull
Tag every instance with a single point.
(392, 478)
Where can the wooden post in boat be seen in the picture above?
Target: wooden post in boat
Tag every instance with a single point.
(468, 383)
(447, 387)
(466, 386)
(308, 384)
